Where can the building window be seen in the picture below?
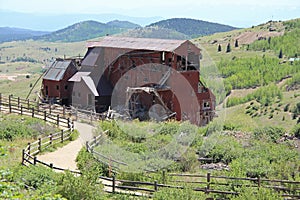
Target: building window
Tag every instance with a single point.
(57, 87)
(66, 87)
(206, 105)
(78, 94)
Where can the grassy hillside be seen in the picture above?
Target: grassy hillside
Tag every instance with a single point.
(155, 32)
(192, 27)
(81, 31)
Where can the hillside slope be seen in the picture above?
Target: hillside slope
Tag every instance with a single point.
(10, 34)
(81, 31)
(192, 27)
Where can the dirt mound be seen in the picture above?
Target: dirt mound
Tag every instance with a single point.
(249, 37)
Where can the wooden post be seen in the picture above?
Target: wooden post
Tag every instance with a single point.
(64, 110)
(28, 103)
(155, 185)
(57, 119)
(0, 101)
(45, 115)
(21, 109)
(208, 182)
(95, 140)
(91, 117)
(40, 145)
(38, 106)
(9, 103)
(87, 146)
(50, 108)
(18, 102)
(29, 148)
(113, 183)
(62, 136)
(34, 160)
(164, 176)
(50, 138)
(32, 112)
(258, 182)
(68, 122)
(51, 165)
(23, 156)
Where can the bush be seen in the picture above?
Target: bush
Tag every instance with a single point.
(296, 131)
(269, 133)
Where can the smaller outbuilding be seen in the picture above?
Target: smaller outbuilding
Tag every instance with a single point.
(55, 86)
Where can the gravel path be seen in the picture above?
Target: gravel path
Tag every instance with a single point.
(65, 157)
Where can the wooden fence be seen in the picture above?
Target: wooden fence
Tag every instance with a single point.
(202, 183)
(11, 104)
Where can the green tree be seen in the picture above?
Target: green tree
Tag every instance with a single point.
(228, 49)
(219, 48)
(280, 54)
(236, 44)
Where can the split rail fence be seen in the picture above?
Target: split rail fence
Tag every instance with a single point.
(201, 183)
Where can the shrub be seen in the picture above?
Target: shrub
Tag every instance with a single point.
(269, 133)
(296, 131)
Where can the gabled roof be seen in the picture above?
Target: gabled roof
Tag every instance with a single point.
(138, 43)
(57, 70)
(77, 77)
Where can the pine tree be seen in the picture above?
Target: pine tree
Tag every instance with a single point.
(219, 48)
(236, 43)
(280, 54)
(228, 48)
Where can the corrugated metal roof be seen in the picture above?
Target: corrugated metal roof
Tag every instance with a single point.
(138, 43)
(77, 77)
(90, 83)
(57, 70)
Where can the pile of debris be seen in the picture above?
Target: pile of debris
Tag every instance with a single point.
(215, 166)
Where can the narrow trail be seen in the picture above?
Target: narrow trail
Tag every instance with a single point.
(65, 157)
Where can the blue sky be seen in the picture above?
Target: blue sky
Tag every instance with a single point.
(232, 12)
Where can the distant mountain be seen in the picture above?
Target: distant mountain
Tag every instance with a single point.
(86, 30)
(53, 22)
(192, 27)
(10, 34)
(155, 32)
(123, 24)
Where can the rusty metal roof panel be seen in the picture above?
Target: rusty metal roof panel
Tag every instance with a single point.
(57, 70)
(138, 43)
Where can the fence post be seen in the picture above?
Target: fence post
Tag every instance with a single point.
(113, 183)
(51, 165)
(23, 156)
(208, 182)
(38, 106)
(9, 103)
(40, 145)
(68, 122)
(164, 176)
(28, 103)
(95, 140)
(57, 119)
(258, 182)
(50, 139)
(34, 160)
(155, 185)
(62, 136)
(18, 102)
(87, 146)
(45, 115)
(64, 110)
(32, 112)
(50, 108)
(21, 109)
(91, 117)
(29, 148)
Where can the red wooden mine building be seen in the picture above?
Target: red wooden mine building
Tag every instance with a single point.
(143, 78)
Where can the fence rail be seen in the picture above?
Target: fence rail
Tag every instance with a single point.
(33, 109)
